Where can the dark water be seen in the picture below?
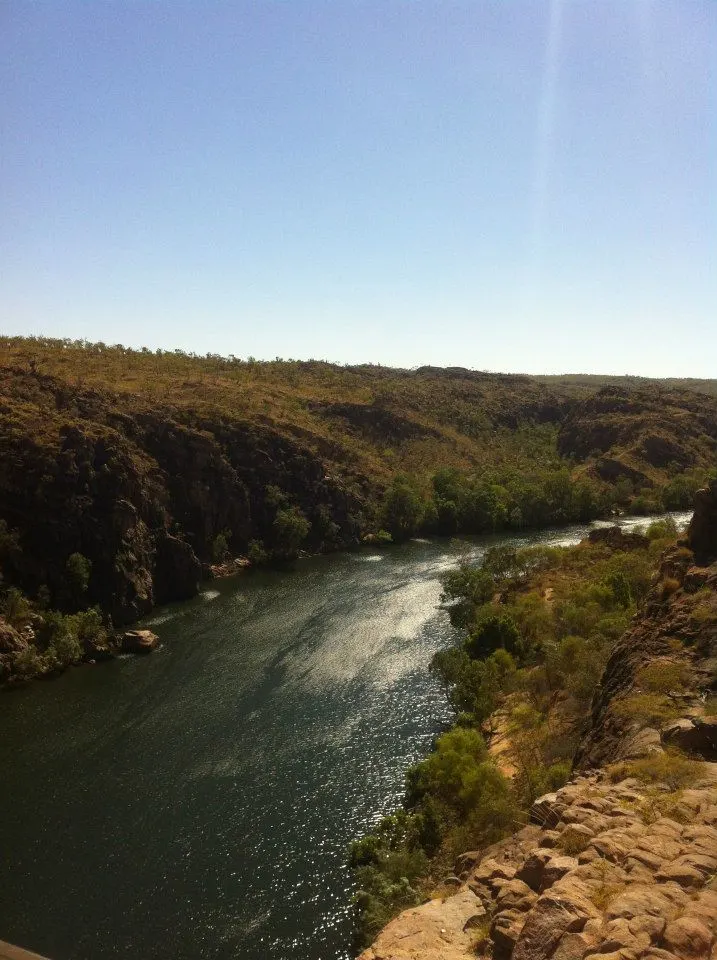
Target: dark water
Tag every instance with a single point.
(198, 803)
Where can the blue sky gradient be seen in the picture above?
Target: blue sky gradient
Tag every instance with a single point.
(512, 185)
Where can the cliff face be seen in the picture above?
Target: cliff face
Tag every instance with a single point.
(143, 493)
(621, 862)
(634, 433)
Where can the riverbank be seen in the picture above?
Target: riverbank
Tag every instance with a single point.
(620, 859)
(216, 785)
(539, 625)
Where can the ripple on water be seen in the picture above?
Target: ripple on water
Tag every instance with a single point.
(200, 803)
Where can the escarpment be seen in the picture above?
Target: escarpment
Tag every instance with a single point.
(143, 492)
(663, 669)
(621, 861)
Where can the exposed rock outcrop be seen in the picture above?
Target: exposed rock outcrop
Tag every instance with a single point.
(613, 866)
(702, 534)
(637, 883)
(139, 641)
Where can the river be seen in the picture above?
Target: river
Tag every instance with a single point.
(197, 804)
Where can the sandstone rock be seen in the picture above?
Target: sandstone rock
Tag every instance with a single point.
(533, 870)
(574, 946)
(651, 925)
(139, 641)
(505, 931)
(641, 744)
(556, 868)
(548, 838)
(614, 845)
(696, 736)
(640, 900)
(489, 871)
(704, 908)
(702, 532)
(467, 861)
(688, 937)
(545, 810)
(618, 935)
(451, 881)
(437, 930)
(177, 570)
(515, 895)
(555, 914)
(682, 873)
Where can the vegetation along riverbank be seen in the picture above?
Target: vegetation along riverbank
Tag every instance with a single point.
(585, 721)
(125, 475)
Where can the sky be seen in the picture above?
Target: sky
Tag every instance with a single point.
(509, 185)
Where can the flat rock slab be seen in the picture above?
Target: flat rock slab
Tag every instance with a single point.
(433, 931)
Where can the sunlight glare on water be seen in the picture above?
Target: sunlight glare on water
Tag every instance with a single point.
(200, 802)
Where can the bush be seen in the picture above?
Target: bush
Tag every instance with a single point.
(220, 547)
(496, 632)
(78, 570)
(402, 511)
(290, 528)
(669, 586)
(663, 676)
(670, 767)
(665, 529)
(256, 553)
(645, 709)
(16, 608)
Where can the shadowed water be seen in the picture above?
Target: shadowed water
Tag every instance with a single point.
(198, 803)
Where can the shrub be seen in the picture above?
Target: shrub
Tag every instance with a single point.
(645, 709)
(220, 546)
(256, 553)
(669, 767)
(665, 529)
(495, 632)
(669, 586)
(290, 528)
(663, 676)
(402, 511)
(77, 576)
(16, 608)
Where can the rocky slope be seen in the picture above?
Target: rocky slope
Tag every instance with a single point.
(622, 861)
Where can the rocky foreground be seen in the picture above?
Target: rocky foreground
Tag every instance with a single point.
(642, 887)
(614, 865)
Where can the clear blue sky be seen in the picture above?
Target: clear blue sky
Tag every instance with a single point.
(499, 184)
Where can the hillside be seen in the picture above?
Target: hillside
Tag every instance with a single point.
(153, 466)
(621, 860)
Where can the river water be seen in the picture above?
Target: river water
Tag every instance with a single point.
(197, 804)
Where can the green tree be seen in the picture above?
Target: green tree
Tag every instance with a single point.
(78, 570)
(402, 511)
(220, 546)
(492, 633)
(290, 528)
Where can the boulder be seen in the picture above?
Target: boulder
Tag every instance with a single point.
(616, 538)
(702, 532)
(688, 937)
(697, 736)
(139, 641)
(505, 930)
(555, 914)
(177, 571)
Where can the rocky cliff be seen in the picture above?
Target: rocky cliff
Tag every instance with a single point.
(622, 861)
(143, 491)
